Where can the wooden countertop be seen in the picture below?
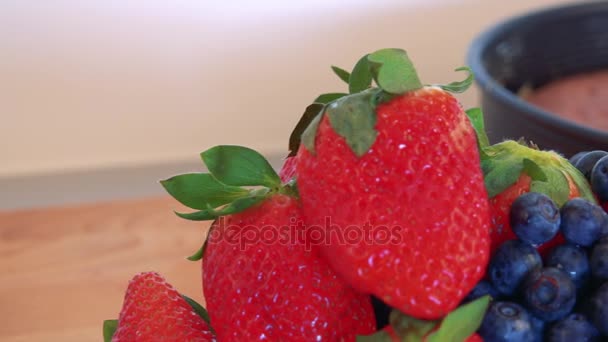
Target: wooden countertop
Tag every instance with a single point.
(64, 270)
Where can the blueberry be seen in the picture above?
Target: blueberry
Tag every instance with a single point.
(573, 260)
(507, 321)
(575, 158)
(381, 311)
(534, 218)
(538, 325)
(512, 261)
(586, 163)
(482, 288)
(582, 221)
(599, 260)
(598, 309)
(549, 293)
(575, 327)
(599, 179)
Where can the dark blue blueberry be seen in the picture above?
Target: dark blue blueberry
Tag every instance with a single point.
(538, 325)
(573, 260)
(549, 293)
(599, 260)
(507, 321)
(511, 262)
(574, 328)
(598, 309)
(482, 288)
(575, 158)
(599, 179)
(534, 218)
(586, 163)
(382, 311)
(582, 221)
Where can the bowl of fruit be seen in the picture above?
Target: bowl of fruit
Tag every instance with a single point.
(392, 219)
(543, 76)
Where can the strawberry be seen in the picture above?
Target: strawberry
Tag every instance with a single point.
(512, 168)
(262, 279)
(395, 170)
(474, 338)
(154, 311)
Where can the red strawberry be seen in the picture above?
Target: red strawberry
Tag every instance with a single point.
(262, 279)
(393, 174)
(474, 338)
(288, 171)
(511, 169)
(154, 311)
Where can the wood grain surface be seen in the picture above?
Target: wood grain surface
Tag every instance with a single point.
(64, 270)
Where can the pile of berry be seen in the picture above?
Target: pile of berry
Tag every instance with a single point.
(392, 219)
(563, 297)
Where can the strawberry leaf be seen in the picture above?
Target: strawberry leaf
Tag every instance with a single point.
(109, 328)
(310, 133)
(198, 255)
(500, 177)
(240, 166)
(354, 118)
(380, 336)
(296, 137)
(234, 207)
(343, 74)
(533, 170)
(198, 309)
(393, 71)
(329, 97)
(201, 190)
(462, 322)
(555, 186)
(475, 115)
(461, 86)
(361, 77)
(410, 328)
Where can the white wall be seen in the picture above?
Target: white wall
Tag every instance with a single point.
(111, 83)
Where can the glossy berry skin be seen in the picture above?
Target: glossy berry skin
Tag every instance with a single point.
(598, 309)
(599, 179)
(154, 311)
(506, 322)
(599, 260)
(573, 260)
(482, 288)
(280, 289)
(421, 180)
(575, 158)
(549, 293)
(582, 222)
(511, 264)
(586, 162)
(534, 218)
(574, 327)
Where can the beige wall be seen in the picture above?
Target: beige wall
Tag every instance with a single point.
(95, 84)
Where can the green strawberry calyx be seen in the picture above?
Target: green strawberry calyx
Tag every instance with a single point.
(458, 325)
(238, 179)
(353, 115)
(503, 163)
